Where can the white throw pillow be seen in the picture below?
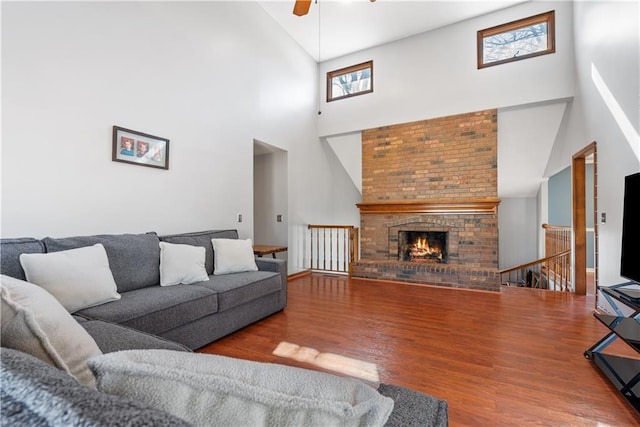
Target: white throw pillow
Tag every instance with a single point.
(78, 278)
(34, 322)
(205, 388)
(233, 256)
(181, 264)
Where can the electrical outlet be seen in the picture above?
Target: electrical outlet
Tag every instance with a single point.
(603, 217)
(239, 217)
(279, 218)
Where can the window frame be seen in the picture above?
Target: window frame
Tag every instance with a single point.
(548, 17)
(348, 70)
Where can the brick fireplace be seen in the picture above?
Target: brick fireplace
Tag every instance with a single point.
(436, 176)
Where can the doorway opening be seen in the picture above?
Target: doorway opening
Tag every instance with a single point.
(270, 196)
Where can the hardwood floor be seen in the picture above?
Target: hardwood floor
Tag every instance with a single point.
(513, 358)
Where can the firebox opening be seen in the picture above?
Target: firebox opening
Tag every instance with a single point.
(422, 246)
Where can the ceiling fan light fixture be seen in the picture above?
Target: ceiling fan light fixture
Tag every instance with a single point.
(301, 7)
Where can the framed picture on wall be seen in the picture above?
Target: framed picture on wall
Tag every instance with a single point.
(130, 146)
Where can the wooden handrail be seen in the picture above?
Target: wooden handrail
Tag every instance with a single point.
(532, 263)
(555, 227)
(552, 272)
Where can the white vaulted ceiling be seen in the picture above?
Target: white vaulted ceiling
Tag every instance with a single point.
(347, 26)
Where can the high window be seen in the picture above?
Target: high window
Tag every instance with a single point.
(350, 81)
(517, 40)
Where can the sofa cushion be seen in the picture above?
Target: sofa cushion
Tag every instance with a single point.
(181, 264)
(10, 250)
(111, 337)
(233, 256)
(33, 321)
(201, 238)
(36, 394)
(78, 278)
(134, 258)
(157, 309)
(207, 389)
(238, 288)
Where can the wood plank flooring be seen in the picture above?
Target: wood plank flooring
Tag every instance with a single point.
(513, 358)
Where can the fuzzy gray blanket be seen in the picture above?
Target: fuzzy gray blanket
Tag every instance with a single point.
(34, 393)
(415, 409)
(205, 389)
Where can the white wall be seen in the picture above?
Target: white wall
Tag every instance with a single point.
(348, 149)
(209, 76)
(542, 217)
(517, 217)
(435, 74)
(607, 38)
(526, 136)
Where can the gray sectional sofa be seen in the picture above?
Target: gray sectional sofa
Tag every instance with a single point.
(193, 315)
(179, 318)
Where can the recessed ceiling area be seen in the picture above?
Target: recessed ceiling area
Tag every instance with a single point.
(347, 26)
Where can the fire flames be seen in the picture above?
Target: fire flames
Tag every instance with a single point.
(421, 250)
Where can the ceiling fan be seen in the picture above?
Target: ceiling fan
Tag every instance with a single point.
(301, 7)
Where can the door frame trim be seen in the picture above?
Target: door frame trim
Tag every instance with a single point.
(579, 206)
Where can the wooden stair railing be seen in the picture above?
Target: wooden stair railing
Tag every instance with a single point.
(332, 248)
(552, 272)
(556, 239)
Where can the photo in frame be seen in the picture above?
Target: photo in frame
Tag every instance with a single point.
(130, 146)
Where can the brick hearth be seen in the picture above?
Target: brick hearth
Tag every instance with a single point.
(486, 279)
(433, 175)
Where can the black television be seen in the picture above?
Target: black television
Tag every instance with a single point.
(630, 255)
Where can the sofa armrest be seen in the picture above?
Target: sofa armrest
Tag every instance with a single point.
(271, 264)
(277, 266)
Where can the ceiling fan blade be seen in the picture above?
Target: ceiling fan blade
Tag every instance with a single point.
(301, 7)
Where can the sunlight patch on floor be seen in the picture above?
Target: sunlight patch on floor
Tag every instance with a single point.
(332, 362)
